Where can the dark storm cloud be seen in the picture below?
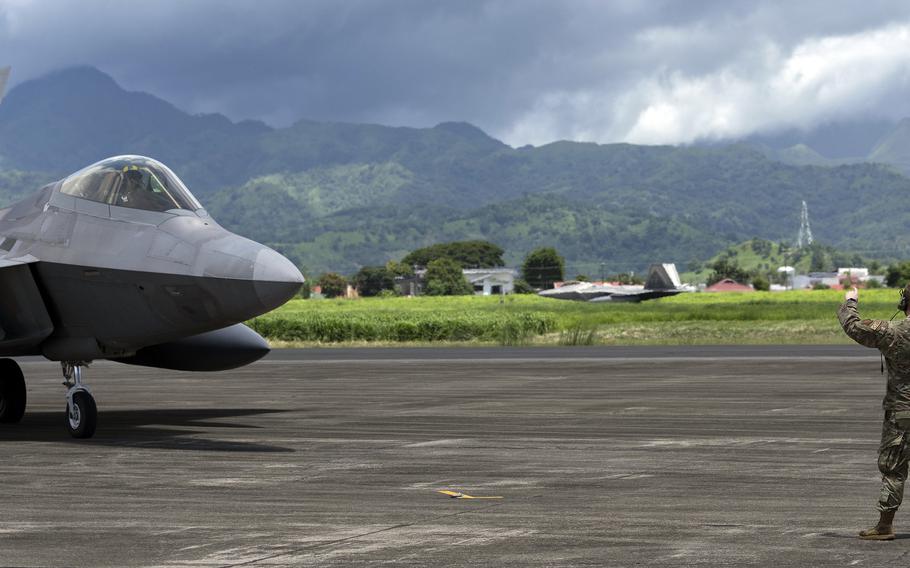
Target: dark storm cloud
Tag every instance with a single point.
(527, 71)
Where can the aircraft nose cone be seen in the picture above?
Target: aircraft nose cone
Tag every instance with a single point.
(275, 278)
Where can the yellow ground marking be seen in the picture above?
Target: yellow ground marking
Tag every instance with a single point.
(459, 495)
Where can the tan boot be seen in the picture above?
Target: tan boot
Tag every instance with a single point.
(883, 530)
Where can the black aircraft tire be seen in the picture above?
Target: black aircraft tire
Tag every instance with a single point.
(87, 416)
(12, 392)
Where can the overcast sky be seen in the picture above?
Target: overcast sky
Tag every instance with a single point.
(525, 71)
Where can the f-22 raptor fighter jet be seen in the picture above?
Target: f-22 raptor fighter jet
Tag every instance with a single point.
(119, 261)
(663, 281)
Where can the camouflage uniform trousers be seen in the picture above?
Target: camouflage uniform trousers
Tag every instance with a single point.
(893, 459)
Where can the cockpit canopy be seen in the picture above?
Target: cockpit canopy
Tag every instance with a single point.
(131, 181)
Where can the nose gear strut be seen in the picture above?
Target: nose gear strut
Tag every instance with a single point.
(81, 411)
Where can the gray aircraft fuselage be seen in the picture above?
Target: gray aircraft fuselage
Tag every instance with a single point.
(120, 261)
(99, 270)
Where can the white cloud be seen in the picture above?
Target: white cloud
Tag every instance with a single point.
(524, 70)
(819, 79)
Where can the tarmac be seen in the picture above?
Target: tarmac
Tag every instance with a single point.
(698, 456)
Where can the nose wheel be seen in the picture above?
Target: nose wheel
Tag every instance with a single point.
(12, 392)
(81, 411)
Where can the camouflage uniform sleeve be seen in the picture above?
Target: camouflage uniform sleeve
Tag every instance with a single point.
(870, 333)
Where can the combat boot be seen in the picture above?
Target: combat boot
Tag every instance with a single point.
(883, 530)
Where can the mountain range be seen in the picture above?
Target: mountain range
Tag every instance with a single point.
(335, 196)
(872, 140)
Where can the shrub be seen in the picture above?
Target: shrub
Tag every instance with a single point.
(578, 334)
(468, 254)
(509, 329)
(332, 284)
(725, 268)
(445, 278)
(898, 274)
(542, 267)
(522, 287)
(399, 268)
(626, 278)
(371, 280)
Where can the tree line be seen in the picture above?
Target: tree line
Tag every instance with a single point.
(444, 264)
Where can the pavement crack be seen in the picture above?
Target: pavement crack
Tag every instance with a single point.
(300, 549)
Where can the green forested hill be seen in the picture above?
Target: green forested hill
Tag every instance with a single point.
(72, 118)
(339, 196)
(894, 148)
(682, 205)
(762, 257)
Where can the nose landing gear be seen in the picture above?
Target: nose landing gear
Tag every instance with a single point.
(81, 411)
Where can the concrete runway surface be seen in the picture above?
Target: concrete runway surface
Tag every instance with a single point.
(603, 457)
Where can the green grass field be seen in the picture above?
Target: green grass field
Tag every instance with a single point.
(802, 317)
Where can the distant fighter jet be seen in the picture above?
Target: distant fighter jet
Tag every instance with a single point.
(663, 280)
(119, 261)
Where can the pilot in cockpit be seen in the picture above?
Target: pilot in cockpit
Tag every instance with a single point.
(136, 191)
(130, 189)
(130, 181)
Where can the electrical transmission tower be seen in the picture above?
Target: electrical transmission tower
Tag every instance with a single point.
(805, 231)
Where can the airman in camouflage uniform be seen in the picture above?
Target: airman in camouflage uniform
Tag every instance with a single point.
(893, 340)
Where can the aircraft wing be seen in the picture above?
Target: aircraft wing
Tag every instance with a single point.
(639, 296)
(582, 291)
(24, 319)
(4, 75)
(7, 262)
(663, 281)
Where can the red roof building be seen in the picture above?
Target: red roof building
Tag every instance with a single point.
(728, 285)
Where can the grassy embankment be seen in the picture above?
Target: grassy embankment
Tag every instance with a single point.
(799, 317)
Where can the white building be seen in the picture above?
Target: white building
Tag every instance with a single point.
(485, 281)
(490, 281)
(803, 281)
(861, 274)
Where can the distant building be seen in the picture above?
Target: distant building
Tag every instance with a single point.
(729, 285)
(485, 281)
(830, 279)
(859, 274)
(880, 278)
(350, 292)
(491, 281)
(856, 276)
(410, 285)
